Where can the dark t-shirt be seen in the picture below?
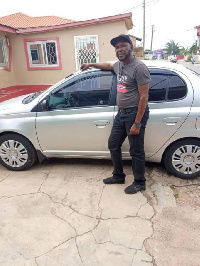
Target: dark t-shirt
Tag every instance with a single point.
(129, 77)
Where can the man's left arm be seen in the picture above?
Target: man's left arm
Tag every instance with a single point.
(144, 95)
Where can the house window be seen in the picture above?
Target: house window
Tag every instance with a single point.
(43, 54)
(3, 53)
(86, 49)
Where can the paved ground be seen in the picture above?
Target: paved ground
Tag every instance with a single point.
(61, 214)
(194, 67)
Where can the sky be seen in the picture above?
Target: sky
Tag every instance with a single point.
(172, 19)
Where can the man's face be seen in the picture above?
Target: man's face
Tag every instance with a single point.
(123, 50)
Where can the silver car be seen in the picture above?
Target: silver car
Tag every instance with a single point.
(74, 118)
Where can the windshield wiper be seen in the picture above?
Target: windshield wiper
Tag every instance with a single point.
(31, 97)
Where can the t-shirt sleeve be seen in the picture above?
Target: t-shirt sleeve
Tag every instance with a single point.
(142, 75)
(116, 67)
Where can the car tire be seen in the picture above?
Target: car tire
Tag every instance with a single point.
(182, 159)
(16, 152)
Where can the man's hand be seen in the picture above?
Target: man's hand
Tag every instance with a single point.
(105, 66)
(85, 66)
(134, 130)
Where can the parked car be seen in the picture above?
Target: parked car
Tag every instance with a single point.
(173, 59)
(74, 117)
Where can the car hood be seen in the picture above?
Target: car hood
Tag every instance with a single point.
(15, 105)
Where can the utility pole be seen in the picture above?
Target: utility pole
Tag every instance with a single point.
(143, 26)
(152, 36)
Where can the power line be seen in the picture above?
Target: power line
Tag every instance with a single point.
(141, 4)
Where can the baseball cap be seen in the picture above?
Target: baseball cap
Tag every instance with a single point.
(121, 37)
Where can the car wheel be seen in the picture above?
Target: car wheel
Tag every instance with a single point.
(182, 159)
(16, 152)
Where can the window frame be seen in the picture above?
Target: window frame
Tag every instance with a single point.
(42, 41)
(68, 82)
(85, 37)
(168, 74)
(4, 52)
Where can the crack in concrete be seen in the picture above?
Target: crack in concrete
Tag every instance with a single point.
(36, 261)
(31, 193)
(65, 196)
(67, 206)
(65, 221)
(140, 208)
(150, 202)
(5, 178)
(78, 251)
(53, 248)
(133, 258)
(73, 237)
(141, 259)
(47, 175)
(102, 243)
(189, 185)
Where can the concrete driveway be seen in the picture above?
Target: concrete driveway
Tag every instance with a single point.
(60, 213)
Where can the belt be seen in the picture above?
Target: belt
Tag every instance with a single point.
(128, 110)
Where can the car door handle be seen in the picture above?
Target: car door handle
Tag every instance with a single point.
(101, 123)
(171, 121)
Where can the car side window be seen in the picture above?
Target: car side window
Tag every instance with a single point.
(166, 87)
(177, 88)
(157, 88)
(85, 90)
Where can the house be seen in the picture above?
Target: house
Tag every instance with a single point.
(198, 35)
(36, 52)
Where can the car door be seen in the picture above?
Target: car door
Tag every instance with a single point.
(170, 100)
(79, 118)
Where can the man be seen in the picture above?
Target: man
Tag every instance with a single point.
(132, 97)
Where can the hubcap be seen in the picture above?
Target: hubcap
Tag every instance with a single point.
(13, 153)
(186, 159)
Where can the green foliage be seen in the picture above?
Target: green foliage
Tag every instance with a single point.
(184, 51)
(193, 49)
(172, 48)
(189, 58)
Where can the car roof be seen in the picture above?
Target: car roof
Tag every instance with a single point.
(163, 64)
(155, 64)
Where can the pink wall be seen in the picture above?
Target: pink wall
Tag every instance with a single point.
(15, 91)
(180, 57)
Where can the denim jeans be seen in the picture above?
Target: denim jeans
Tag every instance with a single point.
(121, 128)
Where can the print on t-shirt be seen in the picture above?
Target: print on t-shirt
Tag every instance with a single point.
(121, 87)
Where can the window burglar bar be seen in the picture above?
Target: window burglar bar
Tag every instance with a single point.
(87, 51)
(42, 53)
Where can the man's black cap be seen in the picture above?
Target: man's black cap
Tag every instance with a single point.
(121, 37)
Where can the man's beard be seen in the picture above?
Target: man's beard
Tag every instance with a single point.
(126, 56)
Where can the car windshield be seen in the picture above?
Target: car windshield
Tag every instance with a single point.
(31, 97)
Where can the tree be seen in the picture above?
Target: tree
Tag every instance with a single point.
(184, 51)
(193, 48)
(172, 48)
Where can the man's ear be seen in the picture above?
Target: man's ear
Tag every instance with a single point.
(131, 47)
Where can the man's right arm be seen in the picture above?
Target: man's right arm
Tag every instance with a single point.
(104, 66)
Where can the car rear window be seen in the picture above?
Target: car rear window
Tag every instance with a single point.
(166, 87)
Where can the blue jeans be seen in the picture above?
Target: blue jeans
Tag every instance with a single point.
(121, 128)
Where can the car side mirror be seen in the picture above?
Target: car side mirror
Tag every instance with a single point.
(44, 105)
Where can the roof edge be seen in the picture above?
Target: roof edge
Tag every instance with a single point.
(125, 16)
(7, 29)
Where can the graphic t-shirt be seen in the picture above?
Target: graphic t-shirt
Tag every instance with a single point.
(129, 77)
